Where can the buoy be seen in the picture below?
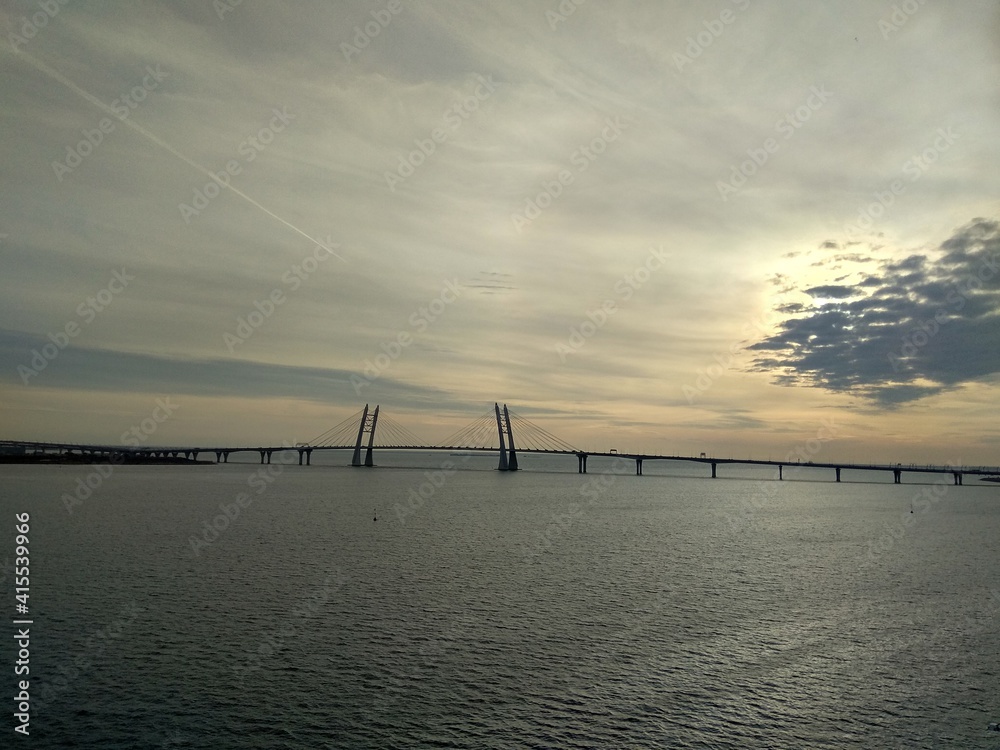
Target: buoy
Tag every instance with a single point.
(376, 515)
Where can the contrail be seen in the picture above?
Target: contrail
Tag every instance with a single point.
(164, 145)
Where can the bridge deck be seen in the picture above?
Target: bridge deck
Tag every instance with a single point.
(7, 446)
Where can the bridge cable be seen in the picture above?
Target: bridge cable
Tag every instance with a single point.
(540, 438)
(343, 433)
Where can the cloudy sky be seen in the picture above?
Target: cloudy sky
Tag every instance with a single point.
(673, 226)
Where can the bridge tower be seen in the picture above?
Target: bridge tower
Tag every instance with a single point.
(508, 458)
(368, 423)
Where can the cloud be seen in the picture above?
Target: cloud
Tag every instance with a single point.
(921, 327)
(361, 118)
(830, 290)
(90, 368)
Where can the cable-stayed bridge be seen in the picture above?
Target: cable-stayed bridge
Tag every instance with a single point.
(499, 430)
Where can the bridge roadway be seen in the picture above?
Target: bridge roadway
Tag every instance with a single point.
(121, 453)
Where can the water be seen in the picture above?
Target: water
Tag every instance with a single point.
(532, 610)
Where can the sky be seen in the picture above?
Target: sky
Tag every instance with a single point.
(736, 227)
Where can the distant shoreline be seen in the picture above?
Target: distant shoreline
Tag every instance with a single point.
(80, 459)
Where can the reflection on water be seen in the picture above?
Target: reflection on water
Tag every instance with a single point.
(489, 609)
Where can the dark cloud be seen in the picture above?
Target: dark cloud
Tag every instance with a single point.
(792, 308)
(830, 291)
(922, 326)
(87, 368)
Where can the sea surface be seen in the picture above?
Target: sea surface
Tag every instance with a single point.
(484, 609)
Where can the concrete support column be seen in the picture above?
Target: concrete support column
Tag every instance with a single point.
(356, 460)
(713, 470)
(781, 472)
(838, 473)
(502, 466)
(369, 459)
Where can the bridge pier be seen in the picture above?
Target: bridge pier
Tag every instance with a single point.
(356, 459)
(261, 455)
(508, 458)
(781, 472)
(713, 470)
(958, 477)
(897, 476)
(581, 459)
(512, 458)
(369, 459)
(638, 467)
(837, 469)
(368, 423)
